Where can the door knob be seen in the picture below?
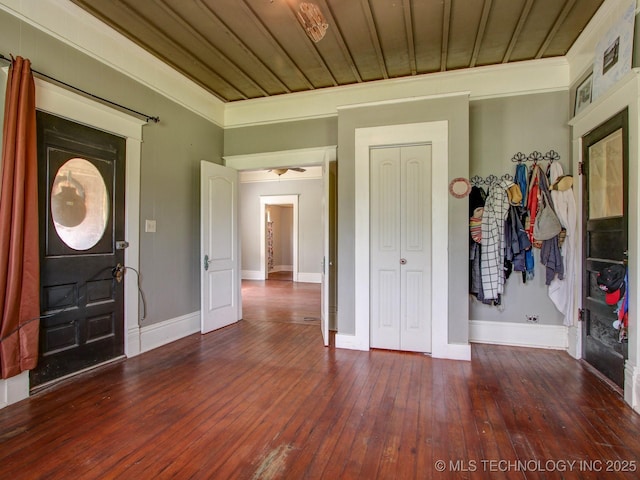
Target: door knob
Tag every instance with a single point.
(403, 261)
(207, 262)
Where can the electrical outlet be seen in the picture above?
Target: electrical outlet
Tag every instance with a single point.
(532, 318)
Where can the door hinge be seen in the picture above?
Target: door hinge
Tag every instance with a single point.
(580, 168)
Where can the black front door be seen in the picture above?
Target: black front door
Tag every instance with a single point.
(606, 159)
(81, 193)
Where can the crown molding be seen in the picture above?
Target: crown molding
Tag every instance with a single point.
(519, 78)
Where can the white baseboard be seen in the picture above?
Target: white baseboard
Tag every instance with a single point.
(14, 389)
(574, 338)
(454, 351)
(252, 275)
(301, 277)
(451, 351)
(519, 334)
(309, 277)
(350, 342)
(158, 334)
(282, 268)
(632, 385)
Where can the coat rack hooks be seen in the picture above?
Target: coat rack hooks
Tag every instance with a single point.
(478, 181)
(535, 157)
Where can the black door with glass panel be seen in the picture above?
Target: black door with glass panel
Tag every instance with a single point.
(605, 155)
(81, 198)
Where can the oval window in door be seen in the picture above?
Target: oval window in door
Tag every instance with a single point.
(79, 204)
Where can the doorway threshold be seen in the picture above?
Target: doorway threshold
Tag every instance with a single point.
(73, 376)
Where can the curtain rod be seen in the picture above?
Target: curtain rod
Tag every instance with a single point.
(144, 115)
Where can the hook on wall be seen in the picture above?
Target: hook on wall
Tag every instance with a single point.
(536, 156)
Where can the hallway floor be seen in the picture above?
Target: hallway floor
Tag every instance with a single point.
(281, 301)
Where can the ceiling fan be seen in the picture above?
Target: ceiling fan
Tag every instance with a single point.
(280, 171)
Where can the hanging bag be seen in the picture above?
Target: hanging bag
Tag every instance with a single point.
(547, 225)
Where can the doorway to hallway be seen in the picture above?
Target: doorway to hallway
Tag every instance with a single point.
(281, 302)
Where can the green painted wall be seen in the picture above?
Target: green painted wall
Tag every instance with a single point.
(170, 171)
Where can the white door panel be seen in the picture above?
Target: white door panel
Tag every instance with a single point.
(220, 288)
(400, 248)
(415, 284)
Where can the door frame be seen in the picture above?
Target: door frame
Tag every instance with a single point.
(58, 101)
(316, 156)
(278, 200)
(437, 134)
(591, 346)
(623, 95)
(64, 103)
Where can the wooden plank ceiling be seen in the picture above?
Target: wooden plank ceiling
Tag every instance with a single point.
(244, 49)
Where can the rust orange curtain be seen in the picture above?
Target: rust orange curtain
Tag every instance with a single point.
(19, 255)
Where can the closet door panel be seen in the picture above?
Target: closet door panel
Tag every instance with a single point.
(415, 284)
(385, 248)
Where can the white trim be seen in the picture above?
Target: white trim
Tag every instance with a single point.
(284, 158)
(435, 133)
(396, 101)
(278, 200)
(518, 334)
(574, 340)
(632, 385)
(99, 41)
(58, 101)
(519, 78)
(14, 389)
(305, 277)
(162, 333)
(258, 176)
(252, 275)
(282, 268)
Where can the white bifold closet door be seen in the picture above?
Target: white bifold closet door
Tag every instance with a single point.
(400, 248)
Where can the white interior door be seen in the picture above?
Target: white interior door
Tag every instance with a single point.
(324, 282)
(400, 248)
(219, 245)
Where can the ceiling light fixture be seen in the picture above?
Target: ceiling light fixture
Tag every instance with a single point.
(313, 21)
(281, 171)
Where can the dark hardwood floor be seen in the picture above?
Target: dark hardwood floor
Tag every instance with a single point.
(264, 399)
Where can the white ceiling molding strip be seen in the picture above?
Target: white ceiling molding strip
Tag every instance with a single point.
(521, 78)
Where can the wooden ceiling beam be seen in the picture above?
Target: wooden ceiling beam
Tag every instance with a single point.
(516, 33)
(408, 28)
(375, 39)
(486, 9)
(183, 51)
(274, 43)
(446, 26)
(250, 53)
(337, 33)
(312, 44)
(202, 39)
(569, 4)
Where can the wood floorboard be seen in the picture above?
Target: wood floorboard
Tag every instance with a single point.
(265, 399)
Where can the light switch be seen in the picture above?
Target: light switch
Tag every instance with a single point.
(150, 226)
